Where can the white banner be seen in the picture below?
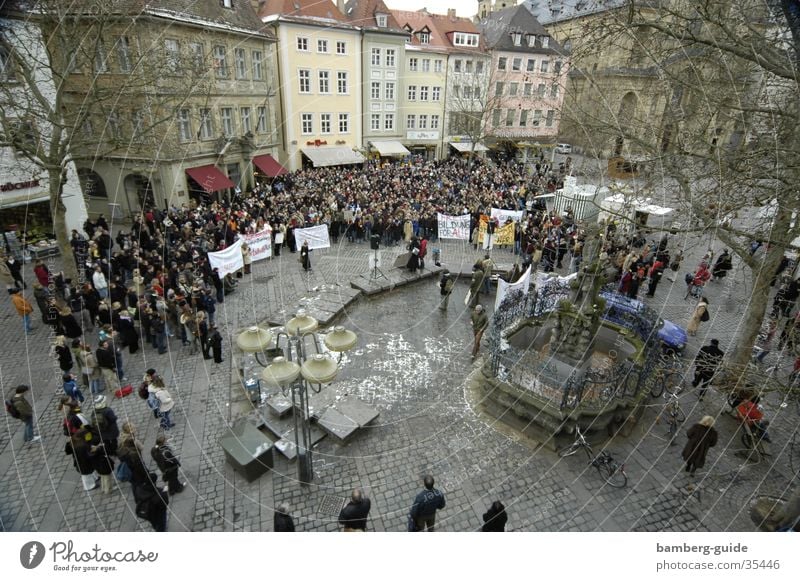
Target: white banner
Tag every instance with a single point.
(502, 215)
(503, 288)
(228, 260)
(317, 237)
(456, 227)
(260, 243)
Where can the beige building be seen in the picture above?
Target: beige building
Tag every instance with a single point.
(195, 113)
(319, 61)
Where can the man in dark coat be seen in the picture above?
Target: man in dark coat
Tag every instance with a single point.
(705, 366)
(168, 463)
(495, 519)
(305, 257)
(151, 502)
(215, 340)
(353, 517)
(105, 420)
(702, 436)
(283, 522)
(426, 503)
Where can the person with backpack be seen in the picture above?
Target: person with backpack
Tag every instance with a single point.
(168, 463)
(445, 288)
(20, 408)
(82, 446)
(130, 455)
(74, 419)
(699, 315)
(159, 400)
(71, 388)
(105, 420)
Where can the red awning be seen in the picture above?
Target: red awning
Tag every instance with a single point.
(269, 166)
(210, 178)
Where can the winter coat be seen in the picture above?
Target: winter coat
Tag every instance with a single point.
(71, 327)
(495, 519)
(79, 447)
(354, 515)
(22, 405)
(694, 322)
(283, 523)
(21, 304)
(164, 397)
(701, 438)
(64, 357)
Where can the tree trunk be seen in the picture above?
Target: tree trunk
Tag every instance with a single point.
(58, 212)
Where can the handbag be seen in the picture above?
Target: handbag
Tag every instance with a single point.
(123, 472)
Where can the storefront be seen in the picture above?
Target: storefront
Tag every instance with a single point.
(328, 156)
(389, 150)
(205, 183)
(266, 169)
(466, 148)
(25, 216)
(423, 144)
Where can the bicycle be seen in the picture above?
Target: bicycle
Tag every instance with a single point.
(674, 414)
(609, 469)
(669, 376)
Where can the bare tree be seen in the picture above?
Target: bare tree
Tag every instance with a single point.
(719, 125)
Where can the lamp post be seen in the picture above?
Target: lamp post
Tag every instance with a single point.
(298, 370)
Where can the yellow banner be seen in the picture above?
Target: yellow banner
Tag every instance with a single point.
(504, 235)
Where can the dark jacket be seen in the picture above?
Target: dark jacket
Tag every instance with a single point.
(354, 514)
(494, 519)
(427, 503)
(22, 406)
(708, 359)
(701, 438)
(283, 523)
(165, 459)
(106, 358)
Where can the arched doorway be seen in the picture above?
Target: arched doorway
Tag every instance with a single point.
(139, 192)
(626, 116)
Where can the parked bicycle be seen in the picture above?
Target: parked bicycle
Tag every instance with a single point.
(674, 414)
(609, 469)
(669, 376)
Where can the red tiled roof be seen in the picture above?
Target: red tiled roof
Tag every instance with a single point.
(441, 26)
(362, 13)
(311, 8)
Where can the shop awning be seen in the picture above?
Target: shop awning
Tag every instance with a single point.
(267, 164)
(23, 200)
(387, 148)
(210, 178)
(466, 146)
(326, 156)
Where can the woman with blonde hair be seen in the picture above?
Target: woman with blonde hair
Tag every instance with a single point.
(702, 436)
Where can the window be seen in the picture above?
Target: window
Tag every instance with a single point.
(375, 90)
(537, 117)
(457, 65)
(545, 66)
(172, 53)
(123, 54)
(498, 89)
(240, 63)
(502, 63)
(227, 3)
(554, 91)
(516, 65)
(467, 92)
(437, 66)
(436, 94)
(341, 82)
(517, 38)
(531, 40)
(388, 122)
(325, 123)
(306, 123)
(411, 122)
(304, 77)
(324, 78)
(389, 92)
(541, 90)
(226, 114)
(302, 43)
(184, 125)
(531, 66)
(412, 92)
(426, 65)
(550, 115)
(261, 123)
(455, 90)
(510, 114)
(375, 122)
(479, 68)
(376, 57)
(381, 19)
(88, 128)
(424, 37)
(434, 122)
(244, 112)
(390, 57)
(220, 63)
(137, 123)
(206, 124)
(423, 93)
(496, 117)
(557, 67)
(100, 58)
(196, 53)
(412, 64)
(423, 121)
(476, 92)
(92, 184)
(545, 41)
(527, 90)
(523, 118)
(258, 72)
(341, 47)
(322, 45)
(465, 39)
(344, 122)
(512, 89)
(114, 128)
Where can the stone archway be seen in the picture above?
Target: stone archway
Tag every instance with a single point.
(138, 192)
(627, 113)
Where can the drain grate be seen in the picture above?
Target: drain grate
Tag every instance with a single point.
(331, 505)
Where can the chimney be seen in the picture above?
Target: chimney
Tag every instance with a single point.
(451, 13)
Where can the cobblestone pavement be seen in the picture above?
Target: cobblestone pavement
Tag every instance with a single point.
(412, 363)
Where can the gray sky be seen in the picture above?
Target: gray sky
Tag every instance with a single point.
(466, 8)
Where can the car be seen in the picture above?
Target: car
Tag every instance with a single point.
(563, 148)
(673, 337)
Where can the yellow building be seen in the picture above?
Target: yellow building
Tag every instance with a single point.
(320, 79)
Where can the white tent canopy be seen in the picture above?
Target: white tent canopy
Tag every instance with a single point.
(327, 156)
(466, 146)
(387, 148)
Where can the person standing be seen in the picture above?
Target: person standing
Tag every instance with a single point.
(305, 257)
(475, 286)
(15, 267)
(168, 463)
(24, 308)
(202, 332)
(445, 288)
(495, 519)
(413, 258)
(486, 266)
(656, 272)
(700, 314)
(82, 446)
(426, 503)
(215, 340)
(353, 516)
(107, 362)
(705, 366)
(71, 389)
(479, 323)
(105, 420)
(99, 282)
(25, 411)
(151, 502)
(702, 436)
(283, 521)
(63, 354)
(165, 402)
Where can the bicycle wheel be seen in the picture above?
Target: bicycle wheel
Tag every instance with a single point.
(613, 474)
(748, 440)
(657, 388)
(679, 415)
(569, 450)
